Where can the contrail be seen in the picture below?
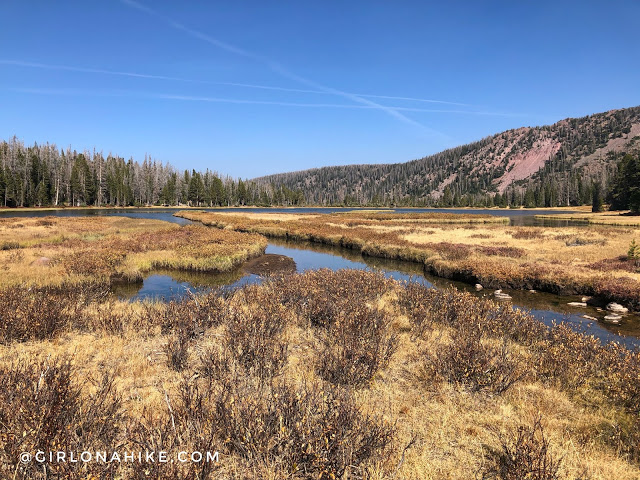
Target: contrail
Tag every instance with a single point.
(94, 70)
(322, 105)
(277, 67)
(191, 98)
(208, 82)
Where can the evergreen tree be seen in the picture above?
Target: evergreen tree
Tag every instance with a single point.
(596, 202)
(625, 188)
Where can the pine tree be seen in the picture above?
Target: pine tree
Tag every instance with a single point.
(625, 188)
(596, 202)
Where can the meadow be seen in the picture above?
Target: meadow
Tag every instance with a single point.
(52, 251)
(321, 375)
(602, 218)
(475, 249)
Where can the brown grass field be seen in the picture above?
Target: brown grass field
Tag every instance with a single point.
(59, 250)
(603, 218)
(323, 375)
(567, 260)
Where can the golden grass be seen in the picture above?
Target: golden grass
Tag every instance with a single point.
(55, 250)
(602, 218)
(567, 260)
(453, 428)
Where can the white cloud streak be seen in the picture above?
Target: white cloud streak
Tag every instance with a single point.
(94, 70)
(46, 66)
(274, 66)
(238, 101)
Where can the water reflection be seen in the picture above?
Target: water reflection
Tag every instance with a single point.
(546, 307)
(166, 285)
(171, 285)
(165, 214)
(524, 217)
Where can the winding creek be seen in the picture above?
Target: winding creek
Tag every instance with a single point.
(546, 307)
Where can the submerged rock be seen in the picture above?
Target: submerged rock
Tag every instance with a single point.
(577, 304)
(613, 318)
(616, 308)
(479, 287)
(594, 301)
(501, 296)
(589, 317)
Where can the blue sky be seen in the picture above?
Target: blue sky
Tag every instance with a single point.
(185, 81)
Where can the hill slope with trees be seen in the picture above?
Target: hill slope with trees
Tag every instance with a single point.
(569, 163)
(555, 165)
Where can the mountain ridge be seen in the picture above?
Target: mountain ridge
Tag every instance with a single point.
(566, 158)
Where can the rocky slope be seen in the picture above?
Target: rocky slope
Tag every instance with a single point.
(553, 165)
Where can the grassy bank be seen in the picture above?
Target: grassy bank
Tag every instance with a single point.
(602, 218)
(567, 260)
(75, 250)
(322, 375)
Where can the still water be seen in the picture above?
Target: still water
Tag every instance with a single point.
(548, 308)
(168, 285)
(519, 217)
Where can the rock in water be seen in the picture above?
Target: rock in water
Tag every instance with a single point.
(613, 318)
(479, 287)
(616, 308)
(501, 296)
(577, 304)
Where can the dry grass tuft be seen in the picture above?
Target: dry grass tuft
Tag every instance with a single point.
(267, 376)
(565, 260)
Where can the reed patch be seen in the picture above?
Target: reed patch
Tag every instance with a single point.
(76, 250)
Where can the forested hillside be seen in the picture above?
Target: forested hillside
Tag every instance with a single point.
(548, 166)
(559, 165)
(44, 175)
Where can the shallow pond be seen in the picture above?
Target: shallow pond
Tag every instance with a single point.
(172, 285)
(546, 307)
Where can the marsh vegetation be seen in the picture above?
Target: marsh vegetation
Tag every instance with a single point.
(475, 249)
(319, 375)
(78, 250)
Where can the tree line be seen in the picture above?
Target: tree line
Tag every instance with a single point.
(625, 188)
(472, 174)
(583, 171)
(44, 175)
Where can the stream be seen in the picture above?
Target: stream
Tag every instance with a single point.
(546, 307)
(171, 285)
